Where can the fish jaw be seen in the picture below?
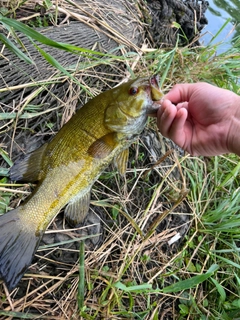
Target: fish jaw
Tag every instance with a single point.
(156, 92)
(155, 95)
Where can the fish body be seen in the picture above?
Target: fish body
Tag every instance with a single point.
(67, 166)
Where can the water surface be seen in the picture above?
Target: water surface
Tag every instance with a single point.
(217, 14)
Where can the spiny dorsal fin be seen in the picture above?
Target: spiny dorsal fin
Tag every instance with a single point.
(102, 147)
(28, 169)
(121, 161)
(77, 209)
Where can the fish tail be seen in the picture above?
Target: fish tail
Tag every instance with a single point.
(18, 244)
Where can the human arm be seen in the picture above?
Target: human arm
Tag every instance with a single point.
(201, 118)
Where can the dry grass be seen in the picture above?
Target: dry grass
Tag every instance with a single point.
(121, 254)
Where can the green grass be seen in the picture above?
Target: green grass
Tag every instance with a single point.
(213, 238)
(129, 275)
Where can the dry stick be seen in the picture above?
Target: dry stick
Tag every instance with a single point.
(33, 84)
(13, 190)
(156, 222)
(157, 163)
(17, 305)
(40, 85)
(8, 296)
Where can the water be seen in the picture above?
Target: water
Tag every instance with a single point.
(217, 14)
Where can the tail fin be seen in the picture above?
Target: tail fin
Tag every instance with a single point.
(17, 247)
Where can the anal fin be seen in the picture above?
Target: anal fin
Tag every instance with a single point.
(28, 168)
(77, 209)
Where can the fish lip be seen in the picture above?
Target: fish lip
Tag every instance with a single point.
(152, 111)
(154, 81)
(155, 94)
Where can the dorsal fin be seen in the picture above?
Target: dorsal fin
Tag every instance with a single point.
(28, 169)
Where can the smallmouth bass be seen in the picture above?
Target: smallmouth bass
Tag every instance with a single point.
(67, 166)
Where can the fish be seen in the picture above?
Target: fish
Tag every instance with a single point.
(65, 168)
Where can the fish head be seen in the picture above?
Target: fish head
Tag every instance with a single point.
(131, 104)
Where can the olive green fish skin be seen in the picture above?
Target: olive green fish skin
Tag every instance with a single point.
(67, 167)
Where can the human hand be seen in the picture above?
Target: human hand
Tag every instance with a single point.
(201, 118)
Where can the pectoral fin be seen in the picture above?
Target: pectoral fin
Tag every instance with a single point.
(121, 161)
(28, 169)
(77, 209)
(102, 147)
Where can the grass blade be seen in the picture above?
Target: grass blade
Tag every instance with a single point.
(6, 157)
(167, 68)
(81, 282)
(50, 59)
(140, 287)
(190, 283)
(220, 289)
(220, 30)
(33, 34)
(20, 315)
(11, 46)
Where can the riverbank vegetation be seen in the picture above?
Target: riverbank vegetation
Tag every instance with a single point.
(136, 269)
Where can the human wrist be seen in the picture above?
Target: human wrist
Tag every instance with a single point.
(233, 139)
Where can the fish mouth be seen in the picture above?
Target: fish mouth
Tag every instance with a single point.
(156, 93)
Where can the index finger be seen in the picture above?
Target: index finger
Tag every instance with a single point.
(180, 93)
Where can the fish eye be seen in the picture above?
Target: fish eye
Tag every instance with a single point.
(133, 91)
